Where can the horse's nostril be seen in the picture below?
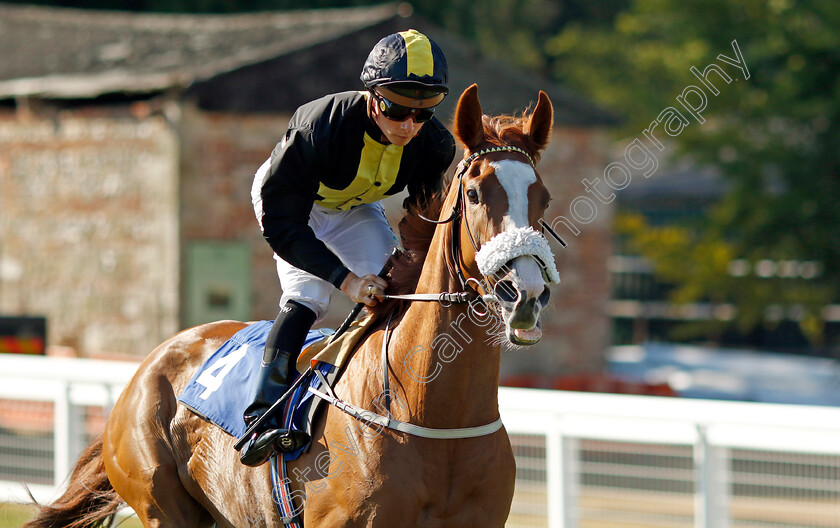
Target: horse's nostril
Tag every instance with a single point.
(506, 291)
(544, 297)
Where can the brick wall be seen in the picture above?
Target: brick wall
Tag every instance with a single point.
(576, 330)
(221, 153)
(88, 227)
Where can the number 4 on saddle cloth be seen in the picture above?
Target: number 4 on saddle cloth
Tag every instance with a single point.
(221, 389)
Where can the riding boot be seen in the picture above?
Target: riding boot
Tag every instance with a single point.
(282, 347)
(272, 382)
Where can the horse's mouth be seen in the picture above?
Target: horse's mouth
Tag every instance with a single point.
(522, 317)
(519, 336)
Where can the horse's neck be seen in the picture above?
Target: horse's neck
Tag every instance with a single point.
(442, 357)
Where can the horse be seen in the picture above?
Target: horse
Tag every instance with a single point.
(484, 265)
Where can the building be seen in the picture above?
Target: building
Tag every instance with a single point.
(128, 143)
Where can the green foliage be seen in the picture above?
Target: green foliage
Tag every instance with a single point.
(13, 515)
(518, 31)
(774, 137)
(702, 267)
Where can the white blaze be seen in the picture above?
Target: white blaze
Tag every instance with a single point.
(515, 177)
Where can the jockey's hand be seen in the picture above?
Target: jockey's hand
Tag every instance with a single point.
(368, 289)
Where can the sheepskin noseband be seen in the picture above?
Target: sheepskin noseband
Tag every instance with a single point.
(513, 243)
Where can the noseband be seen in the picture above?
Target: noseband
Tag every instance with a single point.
(458, 213)
(534, 245)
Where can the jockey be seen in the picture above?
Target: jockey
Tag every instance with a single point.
(317, 200)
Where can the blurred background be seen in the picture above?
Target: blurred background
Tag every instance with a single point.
(130, 139)
(694, 166)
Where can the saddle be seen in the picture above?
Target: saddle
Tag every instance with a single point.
(219, 390)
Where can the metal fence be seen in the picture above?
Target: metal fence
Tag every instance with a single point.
(583, 460)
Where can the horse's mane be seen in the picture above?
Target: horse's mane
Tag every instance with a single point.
(416, 234)
(511, 130)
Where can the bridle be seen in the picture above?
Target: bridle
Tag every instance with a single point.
(446, 299)
(471, 287)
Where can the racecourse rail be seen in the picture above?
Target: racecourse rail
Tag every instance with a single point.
(583, 459)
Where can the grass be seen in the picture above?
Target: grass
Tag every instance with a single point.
(14, 515)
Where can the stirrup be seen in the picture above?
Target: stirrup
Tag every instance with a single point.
(291, 440)
(261, 446)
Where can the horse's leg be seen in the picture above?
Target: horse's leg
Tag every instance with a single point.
(140, 460)
(235, 495)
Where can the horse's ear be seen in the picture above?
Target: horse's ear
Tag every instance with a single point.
(468, 126)
(539, 127)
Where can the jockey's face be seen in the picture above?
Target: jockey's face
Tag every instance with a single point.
(397, 132)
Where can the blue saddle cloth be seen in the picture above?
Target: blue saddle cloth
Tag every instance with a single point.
(225, 385)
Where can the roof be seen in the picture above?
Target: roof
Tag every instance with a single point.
(242, 62)
(76, 53)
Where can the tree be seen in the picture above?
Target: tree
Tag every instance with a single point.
(774, 137)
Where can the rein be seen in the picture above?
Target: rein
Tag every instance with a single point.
(370, 417)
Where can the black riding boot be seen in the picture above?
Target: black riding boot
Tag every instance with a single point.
(282, 347)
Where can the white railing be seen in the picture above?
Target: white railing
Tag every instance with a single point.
(583, 459)
(692, 462)
(68, 386)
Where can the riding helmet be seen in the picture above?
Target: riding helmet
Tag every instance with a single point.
(408, 63)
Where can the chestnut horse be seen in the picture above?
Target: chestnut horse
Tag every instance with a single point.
(178, 471)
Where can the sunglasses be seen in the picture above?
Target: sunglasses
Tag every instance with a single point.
(397, 112)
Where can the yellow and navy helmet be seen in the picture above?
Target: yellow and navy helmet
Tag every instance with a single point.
(408, 63)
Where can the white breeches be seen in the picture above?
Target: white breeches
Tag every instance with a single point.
(361, 237)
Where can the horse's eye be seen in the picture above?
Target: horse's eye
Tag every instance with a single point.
(472, 195)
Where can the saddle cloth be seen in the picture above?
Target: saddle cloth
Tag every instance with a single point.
(223, 387)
